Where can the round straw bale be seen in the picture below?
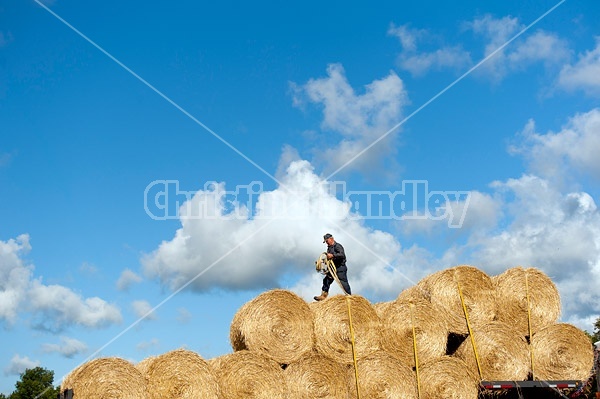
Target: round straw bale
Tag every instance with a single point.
(316, 376)
(414, 292)
(477, 291)
(514, 298)
(503, 353)
(106, 378)
(332, 327)
(278, 323)
(448, 377)
(249, 375)
(380, 307)
(143, 364)
(430, 331)
(562, 352)
(381, 376)
(181, 374)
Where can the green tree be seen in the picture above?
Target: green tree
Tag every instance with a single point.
(596, 335)
(36, 383)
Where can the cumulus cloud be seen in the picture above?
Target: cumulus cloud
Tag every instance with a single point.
(68, 347)
(147, 345)
(418, 62)
(584, 74)
(556, 232)
(444, 58)
(469, 215)
(19, 364)
(127, 279)
(408, 37)
(359, 119)
(538, 46)
(143, 309)
(56, 307)
(242, 248)
(574, 148)
(526, 50)
(14, 276)
(51, 307)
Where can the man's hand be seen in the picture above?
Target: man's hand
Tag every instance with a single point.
(329, 256)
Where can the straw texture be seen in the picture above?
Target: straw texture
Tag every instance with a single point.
(106, 378)
(317, 377)
(503, 353)
(562, 352)
(430, 331)
(181, 374)
(277, 323)
(332, 328)
(477, 291)
(518, 289)
(449, 378)
(381, 376)
(249, 375)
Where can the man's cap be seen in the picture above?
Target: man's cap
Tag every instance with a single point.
(326, 236)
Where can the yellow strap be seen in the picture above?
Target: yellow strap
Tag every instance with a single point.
(353, 347)
(462, 301)
(529, 322)
(412, 321)
(333, 271)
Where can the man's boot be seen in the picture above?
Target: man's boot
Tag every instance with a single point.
(322, 296)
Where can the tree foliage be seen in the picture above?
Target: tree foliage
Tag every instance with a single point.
(35, 383)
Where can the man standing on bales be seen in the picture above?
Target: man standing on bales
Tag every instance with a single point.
(335, 252)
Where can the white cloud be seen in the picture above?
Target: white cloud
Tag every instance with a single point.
(56, 307)
(448, 57)
(147, 345)
(360, 119)
(556, 232)
(418, 63)
(52, 307)
(19, 364)
(481, 213)
(573, 149)
(68, 347)
(584, 74)
(127, 279)
(408, 36)
(282, 237)
(143, 309)
(14, 276)
(526, 50)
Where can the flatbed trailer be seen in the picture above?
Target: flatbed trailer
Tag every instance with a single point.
(520, 386)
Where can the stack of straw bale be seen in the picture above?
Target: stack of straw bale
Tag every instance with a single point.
(277, 323)
(106, 378)
(287, 348)
(180, 374)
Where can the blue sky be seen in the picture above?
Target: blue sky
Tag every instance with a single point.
(495, 106)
